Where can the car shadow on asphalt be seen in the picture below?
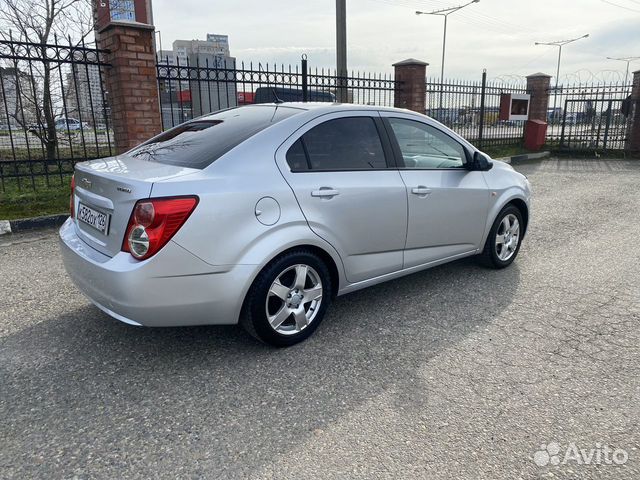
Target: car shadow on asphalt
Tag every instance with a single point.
(77, 381)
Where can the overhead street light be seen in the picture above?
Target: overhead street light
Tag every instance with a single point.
(444, 12)
(625, 59)
(560, 44)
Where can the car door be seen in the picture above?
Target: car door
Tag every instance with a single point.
(448, 204)
(337, 166)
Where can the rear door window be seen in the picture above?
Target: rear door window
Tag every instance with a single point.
(199, 143)
(351, 143)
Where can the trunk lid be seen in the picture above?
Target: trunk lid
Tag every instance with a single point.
(112, 186)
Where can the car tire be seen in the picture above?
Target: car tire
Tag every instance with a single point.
(282, 308)
(504, 239)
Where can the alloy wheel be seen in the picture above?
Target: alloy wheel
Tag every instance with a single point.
(294, 299)
(507, 237)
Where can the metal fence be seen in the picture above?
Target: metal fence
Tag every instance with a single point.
(589, 117)
(472, 109)
(190, 89)
(53, 111)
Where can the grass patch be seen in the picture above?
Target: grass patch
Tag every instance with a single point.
(64, 152)
(26, 202)
(500, 151)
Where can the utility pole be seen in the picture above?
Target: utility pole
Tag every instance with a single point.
(559, 44)
(444, 12)
(341, 51)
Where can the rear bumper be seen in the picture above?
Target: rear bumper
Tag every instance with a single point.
(173, 288)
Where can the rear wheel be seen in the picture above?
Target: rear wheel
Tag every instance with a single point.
(288, 299)
(503, 243)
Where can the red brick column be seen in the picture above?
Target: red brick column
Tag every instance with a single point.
(535, 130)
(538, 87)
(633, 144)
(411, 89)
(130, 82)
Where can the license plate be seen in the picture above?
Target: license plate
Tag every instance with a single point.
(93, 218)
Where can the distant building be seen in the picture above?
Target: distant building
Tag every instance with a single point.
(221, 42)
(83, 94)
(189, 93)
(17, 95)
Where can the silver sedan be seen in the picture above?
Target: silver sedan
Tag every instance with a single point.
(261, 215)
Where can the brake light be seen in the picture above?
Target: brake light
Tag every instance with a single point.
(72, 208)
(153, 222)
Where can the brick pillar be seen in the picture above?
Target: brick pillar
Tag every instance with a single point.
(538, 87)
(535, 130)
(633, 143)
(411, 89)
(131, 83)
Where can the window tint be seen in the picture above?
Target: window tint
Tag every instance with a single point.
(426, 147)
(199, 143)
(297, 158)
(345, 144)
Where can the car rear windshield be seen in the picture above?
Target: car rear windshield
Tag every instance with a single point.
(198, 143)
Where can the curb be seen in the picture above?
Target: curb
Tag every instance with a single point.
(524, 157)
(22, 224)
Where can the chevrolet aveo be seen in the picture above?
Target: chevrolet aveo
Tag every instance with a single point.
(261, 215)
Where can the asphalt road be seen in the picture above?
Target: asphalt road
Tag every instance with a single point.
(454, 373)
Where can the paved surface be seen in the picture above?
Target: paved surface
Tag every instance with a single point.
(454, 373)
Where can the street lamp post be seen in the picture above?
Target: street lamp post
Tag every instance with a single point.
(559, 44)
(628, 60)
(445, 12)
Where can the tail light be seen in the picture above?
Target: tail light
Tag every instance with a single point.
(153, 223)
(72, 209)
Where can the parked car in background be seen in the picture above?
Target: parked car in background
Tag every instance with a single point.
(447, 116)
(70, 124)
(263, 214)
(271, 94)
(554, 115)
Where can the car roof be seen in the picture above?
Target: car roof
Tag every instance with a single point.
(321, 108)
(336, 106)
(318, 108)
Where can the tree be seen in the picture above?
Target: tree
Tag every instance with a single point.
(37, 24)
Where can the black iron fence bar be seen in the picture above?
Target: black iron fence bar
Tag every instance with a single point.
(93, 113)
(75, 81)
(564, 122)
(482, 97)
(606, 130)
(21, 106)
(305, 80)
(13, 147)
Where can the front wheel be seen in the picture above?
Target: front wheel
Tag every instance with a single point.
(288, 299)
(504, 239)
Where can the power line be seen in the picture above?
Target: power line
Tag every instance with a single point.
(476, 18)
(620, 6)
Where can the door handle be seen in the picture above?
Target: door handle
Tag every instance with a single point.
(421, 190)
(325, 192)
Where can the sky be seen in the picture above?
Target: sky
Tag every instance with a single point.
(497, 35)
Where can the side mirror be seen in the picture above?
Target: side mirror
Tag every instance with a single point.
(480, 163)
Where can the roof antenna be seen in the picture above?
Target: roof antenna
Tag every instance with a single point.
(275, 96)
(276, 99)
